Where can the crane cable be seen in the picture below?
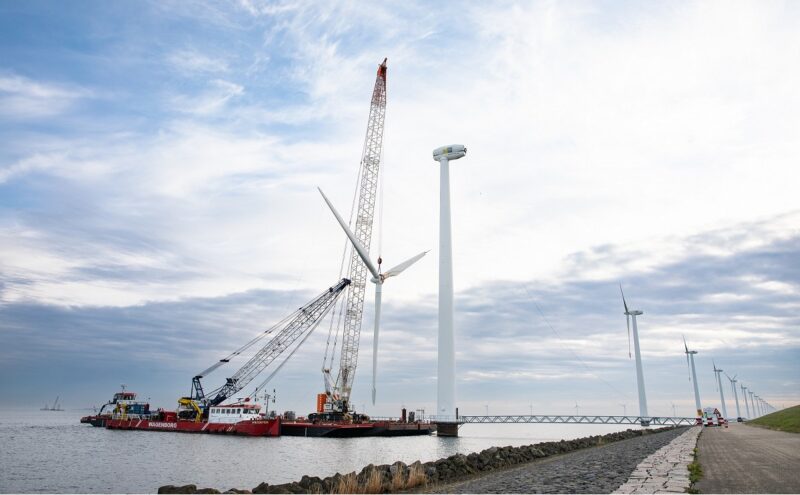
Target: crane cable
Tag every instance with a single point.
(336, 323)
(547, 322)
(380, 206)
(307, 335)
(246, 346)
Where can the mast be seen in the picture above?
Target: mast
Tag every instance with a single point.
(364, 215)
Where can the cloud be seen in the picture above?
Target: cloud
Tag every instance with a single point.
(536, 337)
(191, 61)
(209, 102)
(22, 98)
(650, 144)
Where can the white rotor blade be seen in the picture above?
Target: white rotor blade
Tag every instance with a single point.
(397, 270)
(623, 298)
(628, 321)
(357, 245)
(378, 292)
(688, 366)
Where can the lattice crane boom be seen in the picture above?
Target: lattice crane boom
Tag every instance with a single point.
(299, 324)
(364, 215)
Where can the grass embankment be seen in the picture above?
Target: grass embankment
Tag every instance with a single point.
(784, 420)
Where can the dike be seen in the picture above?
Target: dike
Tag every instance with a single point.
(398, 477)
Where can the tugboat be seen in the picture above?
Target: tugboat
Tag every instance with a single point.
(121, 401)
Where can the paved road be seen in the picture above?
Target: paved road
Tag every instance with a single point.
(594, 470)
(749, 459)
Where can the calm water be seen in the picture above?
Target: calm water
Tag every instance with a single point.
(44, 451)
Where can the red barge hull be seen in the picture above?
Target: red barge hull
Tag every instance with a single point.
(257, 428)
(349, 430)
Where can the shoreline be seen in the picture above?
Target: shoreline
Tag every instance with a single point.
(422, 477)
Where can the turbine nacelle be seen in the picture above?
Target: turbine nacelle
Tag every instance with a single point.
(451, 152)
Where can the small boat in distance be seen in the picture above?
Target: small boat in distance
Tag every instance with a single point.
(56, 406)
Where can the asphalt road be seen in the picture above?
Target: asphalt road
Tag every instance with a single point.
(749, 459)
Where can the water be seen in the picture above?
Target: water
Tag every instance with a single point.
(49, 451)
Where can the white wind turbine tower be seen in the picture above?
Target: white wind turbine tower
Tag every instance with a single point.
(752, 403)
(744, 396)
(446, 380)
(690, 364)
(735, 396)
(378, 279)
(718, 373)
(631, 314)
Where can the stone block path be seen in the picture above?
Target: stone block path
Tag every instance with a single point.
(592, 470)
(665, 471)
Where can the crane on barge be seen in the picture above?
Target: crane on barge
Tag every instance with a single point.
(337, 391)
(296, 328)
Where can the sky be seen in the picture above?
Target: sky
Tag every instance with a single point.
(158, 206)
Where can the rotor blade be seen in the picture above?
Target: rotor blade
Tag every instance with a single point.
(628, 321)
(623, 298)
(357, 245)
(378, 291)
(397, 270)
(688, 366)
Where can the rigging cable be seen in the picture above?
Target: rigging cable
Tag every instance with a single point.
(249, 344)
(336, 323)
(612, 387)
(307, 335)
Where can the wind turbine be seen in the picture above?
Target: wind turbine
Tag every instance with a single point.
(631, 315)
(446, 361)
(624, 409)
(690, 365)
(746, 404)
(577, 409)
(755, 411)
(378, 279)
(735, 396)
(717, 374)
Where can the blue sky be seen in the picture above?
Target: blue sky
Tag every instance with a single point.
(158, 166)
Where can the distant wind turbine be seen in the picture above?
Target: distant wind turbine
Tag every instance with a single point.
(744, 396)
(735, 396)
(717, 375)
(693, 377)
(631, 314)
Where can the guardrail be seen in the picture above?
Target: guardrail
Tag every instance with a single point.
(605, 420)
